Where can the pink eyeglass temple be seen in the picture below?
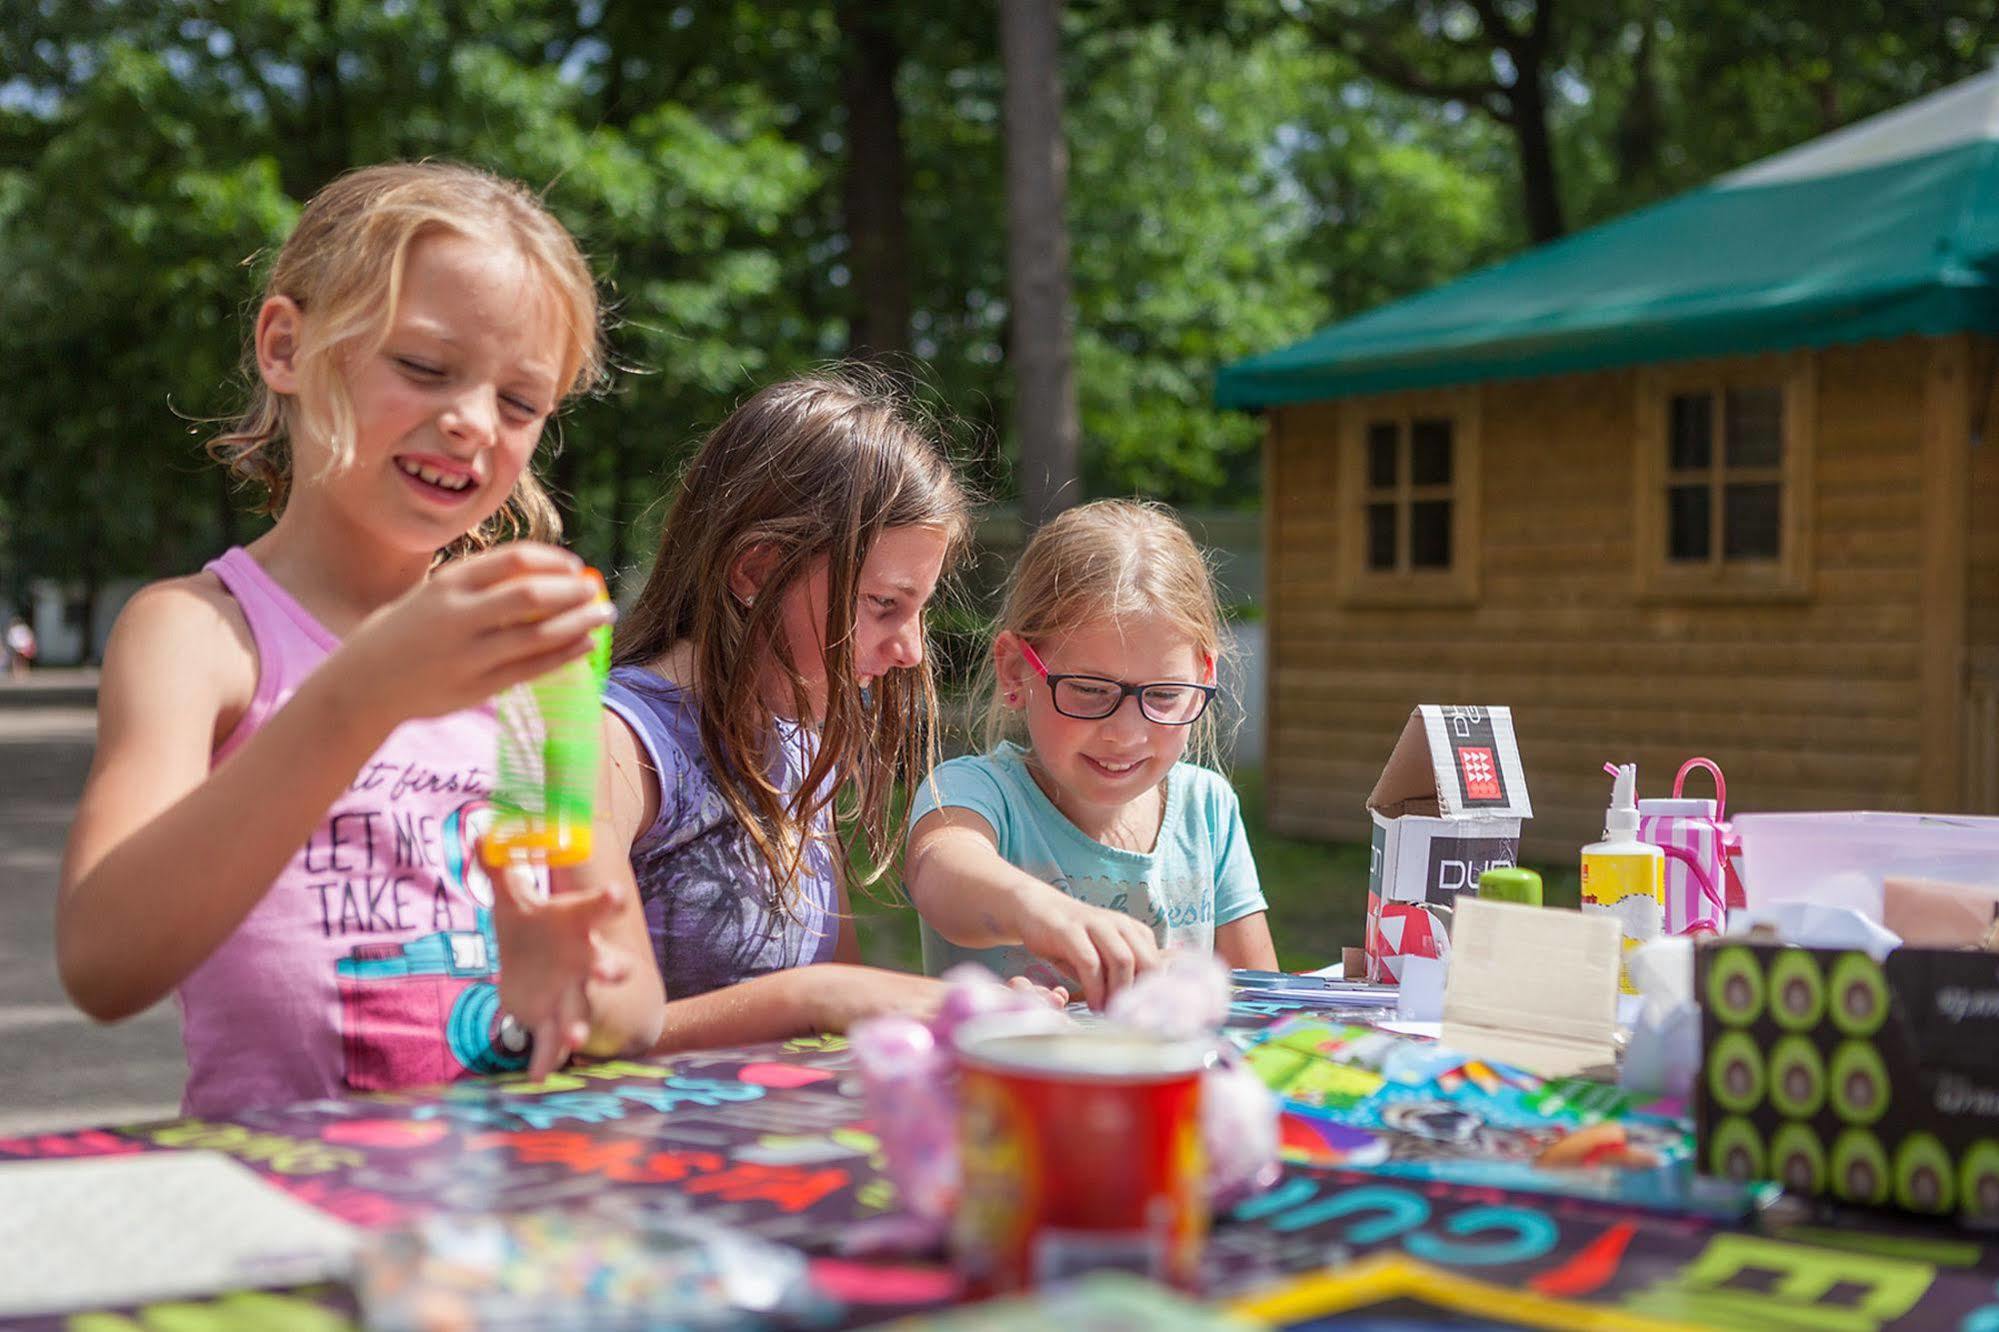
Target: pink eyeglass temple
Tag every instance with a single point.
(1034, 660)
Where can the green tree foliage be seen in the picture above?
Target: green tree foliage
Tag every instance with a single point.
(1242, 195)
(1241, 172)
(1671, 93)
(155, 158)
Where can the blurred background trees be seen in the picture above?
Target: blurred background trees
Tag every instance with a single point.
(764, 186)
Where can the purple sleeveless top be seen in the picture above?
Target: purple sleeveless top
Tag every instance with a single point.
(370, 963)
(710, 903)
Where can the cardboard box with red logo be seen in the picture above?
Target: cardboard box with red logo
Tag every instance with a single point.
(1448, 807)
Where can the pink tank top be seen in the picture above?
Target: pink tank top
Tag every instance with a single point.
(370, 963)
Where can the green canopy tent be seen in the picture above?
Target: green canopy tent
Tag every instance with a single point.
(1887, 228)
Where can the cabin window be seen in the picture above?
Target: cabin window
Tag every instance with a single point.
(1723, 470)
(1409, 494)
(1409, 468)
(1725, 475)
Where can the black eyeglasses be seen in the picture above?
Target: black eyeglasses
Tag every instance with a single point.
(1092, 697)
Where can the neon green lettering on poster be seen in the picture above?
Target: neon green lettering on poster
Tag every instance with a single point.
(1708, 1291)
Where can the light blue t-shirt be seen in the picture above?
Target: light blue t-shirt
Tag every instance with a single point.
(1197, 876)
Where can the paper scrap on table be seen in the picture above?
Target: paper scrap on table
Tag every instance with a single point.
(1812, 925)
(1533, 986)
(1422, 995)
(109, 1231)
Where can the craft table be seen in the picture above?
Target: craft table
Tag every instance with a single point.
(774, 1139)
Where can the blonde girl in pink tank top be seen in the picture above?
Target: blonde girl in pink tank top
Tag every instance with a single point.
(295, 746)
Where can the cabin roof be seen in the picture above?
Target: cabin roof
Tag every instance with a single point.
(1887, 228)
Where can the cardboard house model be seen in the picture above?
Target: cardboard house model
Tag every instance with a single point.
(1448, 807)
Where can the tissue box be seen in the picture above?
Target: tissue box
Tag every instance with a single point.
(1447, 807)
(1835, 1075)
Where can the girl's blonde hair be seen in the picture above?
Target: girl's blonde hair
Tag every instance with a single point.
(343, 265)
(810, 469)
(1101, 563)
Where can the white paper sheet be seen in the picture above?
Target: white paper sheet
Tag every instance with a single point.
(108, 1231)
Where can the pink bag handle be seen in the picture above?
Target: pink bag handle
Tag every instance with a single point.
(1720, 784)
(1709, 889)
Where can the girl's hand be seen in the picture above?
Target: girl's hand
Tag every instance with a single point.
(1103, 949)
(1055, 996)
(551, 949)
(475, 627)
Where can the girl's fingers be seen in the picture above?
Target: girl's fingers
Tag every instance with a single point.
(548, 1052)
(579, 881)
(518, 882)
(556, 1038)
(499, 648)
(1137, 939)
(575, 1009)
(1083, 963)
(1118, 962)
(508, 561)
(610, 966)
(529, 599)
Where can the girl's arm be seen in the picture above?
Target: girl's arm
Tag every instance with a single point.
(1244, 943)
(847, 948)
(803, 1001)
(165, 857)
(1243, 940)
(971, 895)
(800, 1001)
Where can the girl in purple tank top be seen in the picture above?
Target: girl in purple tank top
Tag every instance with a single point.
(295, 746)
(773, 662)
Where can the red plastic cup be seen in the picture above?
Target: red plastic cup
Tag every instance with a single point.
(1081, 1150)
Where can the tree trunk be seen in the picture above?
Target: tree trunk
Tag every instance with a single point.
(1641, 128)
(326, 116)
(872, 199)
(624, 469)
(1541, 197)
(1041, 340)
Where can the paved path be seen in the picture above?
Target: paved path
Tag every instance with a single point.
(58, 1069)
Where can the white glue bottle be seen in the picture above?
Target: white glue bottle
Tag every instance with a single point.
(1624, 876)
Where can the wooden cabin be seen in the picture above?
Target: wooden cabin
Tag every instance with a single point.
(1716, 478)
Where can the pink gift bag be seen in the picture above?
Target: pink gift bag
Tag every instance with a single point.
(1697, 842)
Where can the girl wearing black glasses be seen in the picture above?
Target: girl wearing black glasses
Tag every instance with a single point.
(1081, 844)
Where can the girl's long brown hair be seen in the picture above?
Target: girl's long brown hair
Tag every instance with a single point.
(810, 469)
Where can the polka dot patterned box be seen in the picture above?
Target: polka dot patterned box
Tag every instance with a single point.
(1871, 1082)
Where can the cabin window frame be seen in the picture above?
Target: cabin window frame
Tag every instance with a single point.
(1454, 584)
(1788, 577)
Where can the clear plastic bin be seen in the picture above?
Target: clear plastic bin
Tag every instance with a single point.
(1839, 859)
